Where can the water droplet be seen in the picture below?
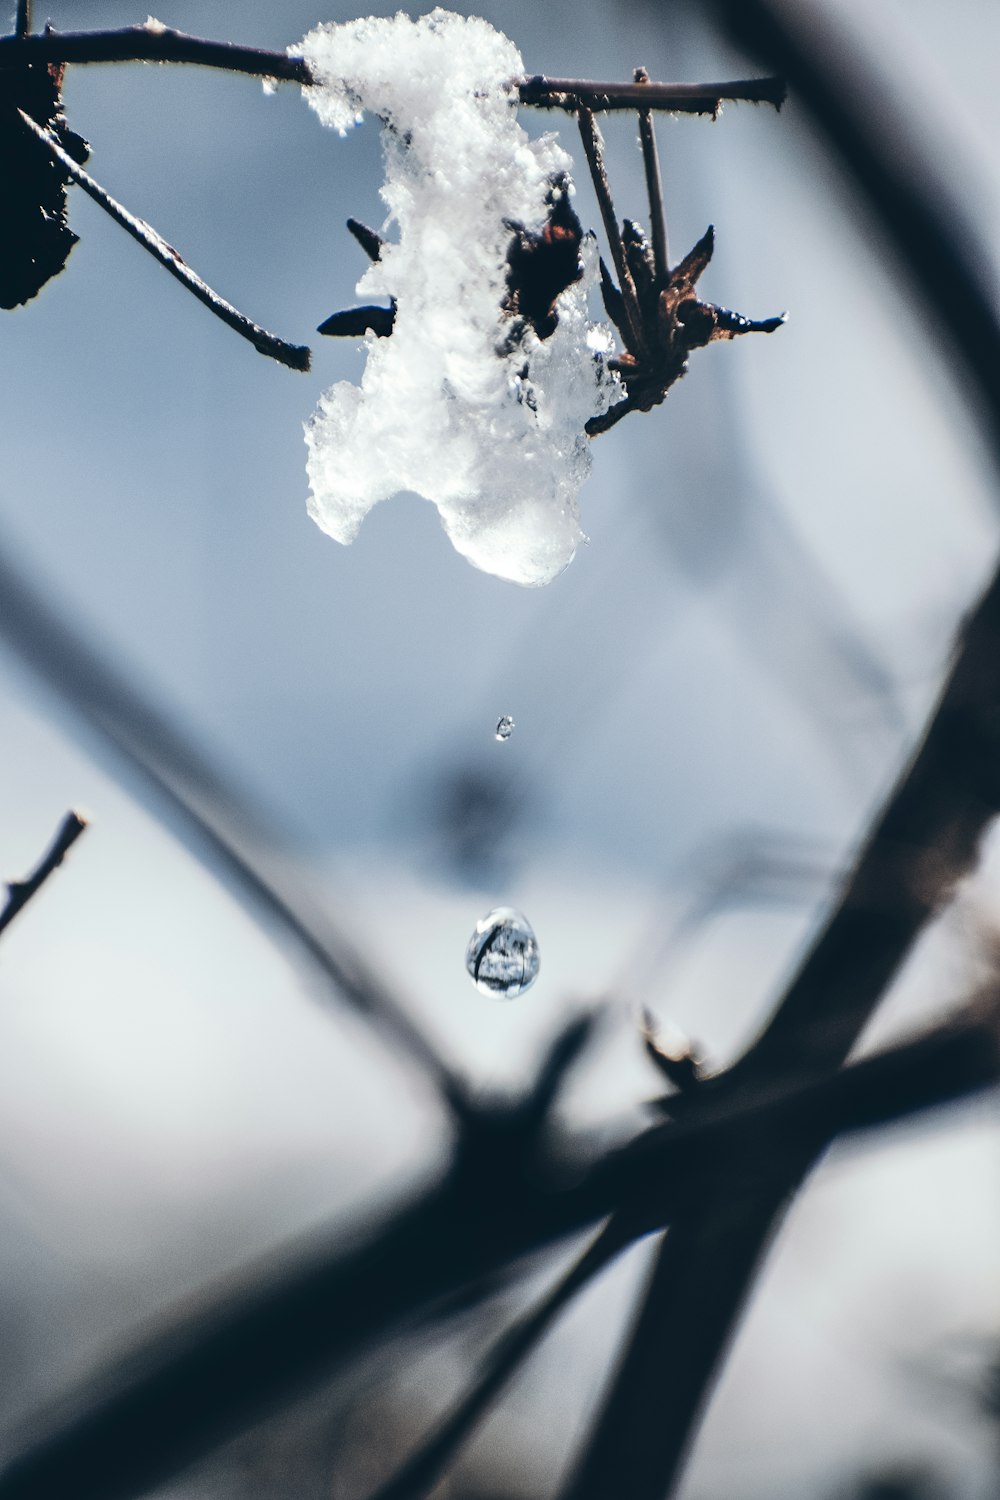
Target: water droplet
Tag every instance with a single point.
(502, 956)
(505, 727)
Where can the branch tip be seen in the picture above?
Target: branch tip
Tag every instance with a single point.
(293, 356)
(20, 892)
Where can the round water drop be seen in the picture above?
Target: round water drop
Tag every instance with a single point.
(505, 727)
(502, 956)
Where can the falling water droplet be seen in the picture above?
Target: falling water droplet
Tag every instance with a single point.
(502, 956)
(505, 727)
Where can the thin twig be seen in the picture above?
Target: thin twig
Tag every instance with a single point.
(654, 187)
(675, 98)
(593, 149)
(288, 1326)
(295, 356)
(154, 42)
(22, 20)
(20, 892)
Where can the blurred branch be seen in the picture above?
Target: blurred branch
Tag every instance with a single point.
(719, 1233)
(154, 42)
(920, 845)
(216, 819)
(949, 266)
(295, 356)
(437, 1453)
(20, 892)
(298, 1321)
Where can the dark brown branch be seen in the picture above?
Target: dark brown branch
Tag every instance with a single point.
(151, 42)
(291, 1324)
(22, 19)
(593, 149)
(20, 892)
(654, 187)
(295, 356)
(154, 42)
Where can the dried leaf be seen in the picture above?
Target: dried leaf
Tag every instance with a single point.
(36, 239)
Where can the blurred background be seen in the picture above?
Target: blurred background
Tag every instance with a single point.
(709, 705)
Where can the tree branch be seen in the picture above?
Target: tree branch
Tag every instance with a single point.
(295, 356)
(676, 98)
(150, 42)
(20, 892)
(154, 42)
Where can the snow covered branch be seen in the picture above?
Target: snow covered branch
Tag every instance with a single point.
(153, 42)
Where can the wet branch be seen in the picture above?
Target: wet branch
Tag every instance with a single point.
(295, 356)
(289, 1325)
(20, 892)
(150, 42)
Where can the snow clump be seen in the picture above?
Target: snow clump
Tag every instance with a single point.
(487, 426)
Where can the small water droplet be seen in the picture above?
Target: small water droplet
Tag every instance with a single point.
(505, 727)
(502, 956)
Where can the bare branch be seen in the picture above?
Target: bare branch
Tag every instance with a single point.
(676, 98)
(296, 357)
(22, 19)
(150, 42)
(20, 892)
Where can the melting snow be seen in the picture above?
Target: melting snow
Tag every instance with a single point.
(492, 435)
